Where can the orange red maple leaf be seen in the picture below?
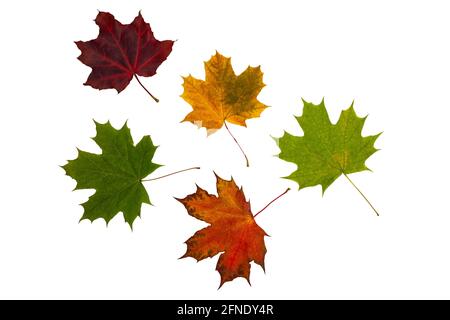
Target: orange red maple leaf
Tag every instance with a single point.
(232, 230)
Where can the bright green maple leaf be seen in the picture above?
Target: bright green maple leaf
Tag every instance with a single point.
(115, 174)
(326, 150)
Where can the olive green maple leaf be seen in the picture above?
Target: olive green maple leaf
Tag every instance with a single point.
(116, 174)
(327, 151)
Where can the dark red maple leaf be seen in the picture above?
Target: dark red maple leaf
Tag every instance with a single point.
(122, 51)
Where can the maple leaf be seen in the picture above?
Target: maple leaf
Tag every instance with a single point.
(327, 151)
(116, 174)
(223, 96)
(232, 230)
(122, 51)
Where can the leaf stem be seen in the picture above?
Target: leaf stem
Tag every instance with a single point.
(153, 97)
(360, 192)
(228, 129)
(166, 175)
(272, 202)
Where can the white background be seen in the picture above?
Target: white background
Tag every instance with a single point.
(391, 57)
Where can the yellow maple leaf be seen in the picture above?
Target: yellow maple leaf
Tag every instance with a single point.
(223, 96)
